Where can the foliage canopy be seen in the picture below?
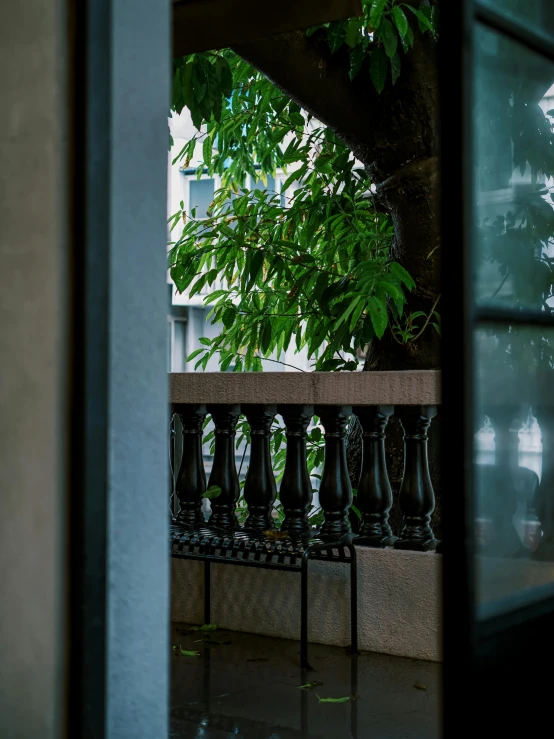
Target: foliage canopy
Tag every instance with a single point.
(309, 265)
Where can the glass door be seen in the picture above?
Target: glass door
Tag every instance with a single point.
(498, 241)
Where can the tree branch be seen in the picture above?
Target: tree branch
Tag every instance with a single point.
(304, 68)
(386, 132)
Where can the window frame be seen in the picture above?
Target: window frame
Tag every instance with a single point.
(482, 659)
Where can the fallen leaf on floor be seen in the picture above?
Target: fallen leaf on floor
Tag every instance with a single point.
(205, 627)
(189, 653)
(333, 700)
(420, 686)
(276, 534)
(257, 659)
(314, 684)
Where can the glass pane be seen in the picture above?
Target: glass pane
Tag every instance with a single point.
(537, 14)
(179, 346)
(514, 149)
(201, 195)
(514, 464)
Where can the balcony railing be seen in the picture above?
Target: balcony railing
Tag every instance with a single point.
(412, 396)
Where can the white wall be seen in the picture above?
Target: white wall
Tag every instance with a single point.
(34, 380)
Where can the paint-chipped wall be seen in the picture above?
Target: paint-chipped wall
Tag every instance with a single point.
(399, 601)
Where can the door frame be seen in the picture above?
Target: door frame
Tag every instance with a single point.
(488, 664)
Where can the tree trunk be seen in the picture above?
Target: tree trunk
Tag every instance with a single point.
(395, 135)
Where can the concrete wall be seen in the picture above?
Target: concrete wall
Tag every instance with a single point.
(34, 357)
(399, 601)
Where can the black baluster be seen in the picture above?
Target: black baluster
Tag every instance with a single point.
(417, 497)
(498, 497)
(172, 497)
(374, 499)
(191, 480)
(335, 492)
(260, 490)
(224, 471)
(296, 487)
(545, 494)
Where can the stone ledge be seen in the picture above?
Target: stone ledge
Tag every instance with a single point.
(418, 387)
(399, 601)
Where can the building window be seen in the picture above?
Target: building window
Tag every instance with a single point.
(177, 344)
(200, 197)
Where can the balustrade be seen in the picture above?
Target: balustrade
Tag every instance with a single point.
(296, 397)
(374, 491)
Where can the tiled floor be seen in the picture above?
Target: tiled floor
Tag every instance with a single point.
(248, 686)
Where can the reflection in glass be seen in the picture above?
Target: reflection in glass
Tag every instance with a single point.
(514, 183)
(514, 460)
(537, 14)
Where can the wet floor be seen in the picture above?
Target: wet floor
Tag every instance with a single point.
(243, 685)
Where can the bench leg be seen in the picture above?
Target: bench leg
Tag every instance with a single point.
(207, 591)
(353, 600)
(304, 613)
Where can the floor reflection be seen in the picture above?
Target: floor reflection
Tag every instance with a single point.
(244, 685)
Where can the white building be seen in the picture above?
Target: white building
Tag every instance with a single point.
(187, 315)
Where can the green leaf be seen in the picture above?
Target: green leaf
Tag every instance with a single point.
(333, 700)
(348, 311)
(377, 8)
(357, 57)
(194, 354)
(313, 684)
(395, 68)
(207, 151)
(316, 435)
(407, 41)
(377, 310)
(353, 35)
(355, 317)
(212, 492)
(423, 20)
(297, 119)
(336, 34)
(189, 653)
(187, 83)
(225, 76)
(401, 274)
(297, 175)
(265, 336)
(378, 63)
(400, 20)
(256, 264)
(390, 39)
(228, 318)
(204, 627)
